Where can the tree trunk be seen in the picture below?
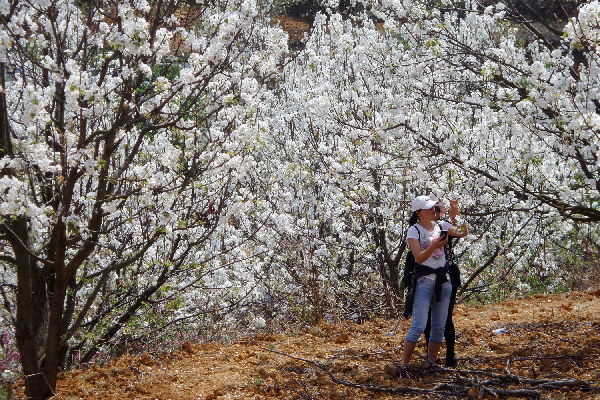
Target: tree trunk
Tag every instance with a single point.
(394, 267)
(32, 315)
(5, 142)
(32, 304)
(34, 289)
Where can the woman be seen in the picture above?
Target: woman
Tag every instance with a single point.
(433, 287)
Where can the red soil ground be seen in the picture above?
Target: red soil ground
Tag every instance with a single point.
(550, 346)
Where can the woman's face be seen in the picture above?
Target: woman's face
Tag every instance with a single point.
(427, 213)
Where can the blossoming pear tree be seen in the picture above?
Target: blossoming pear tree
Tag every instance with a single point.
(338, 165)
(369, 117)
(518, 117)
(513, 96)
(126, 131)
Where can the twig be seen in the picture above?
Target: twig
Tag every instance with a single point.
(556, 357)
(138, 371)
(297, 391)
(376, 353)
(522, 380)
(372, 388)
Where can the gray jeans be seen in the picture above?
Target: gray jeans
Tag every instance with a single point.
(425, 298)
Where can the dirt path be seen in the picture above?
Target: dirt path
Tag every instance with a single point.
(545, 337)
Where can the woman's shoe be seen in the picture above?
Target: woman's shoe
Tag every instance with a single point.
(405, 373)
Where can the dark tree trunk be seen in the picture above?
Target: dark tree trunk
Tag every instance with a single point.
(32, 315)
(32, 300)
(5, 142)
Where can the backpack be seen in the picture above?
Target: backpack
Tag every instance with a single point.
(410, 265)
(408, 278)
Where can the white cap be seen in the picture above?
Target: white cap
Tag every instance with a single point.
(422, 203)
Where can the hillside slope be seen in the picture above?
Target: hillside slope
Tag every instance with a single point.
(544, 345)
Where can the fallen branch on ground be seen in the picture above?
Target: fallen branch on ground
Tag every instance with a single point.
(372, 388)
(453, 389)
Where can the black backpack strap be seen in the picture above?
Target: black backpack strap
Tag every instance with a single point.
(409, 281)
(453, 270)
(415, 225)
(410, 266)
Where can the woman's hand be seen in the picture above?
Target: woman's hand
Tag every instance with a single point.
(460, 228)
(453, 212)
(454, 205)
(422, 255)
(439, 242)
